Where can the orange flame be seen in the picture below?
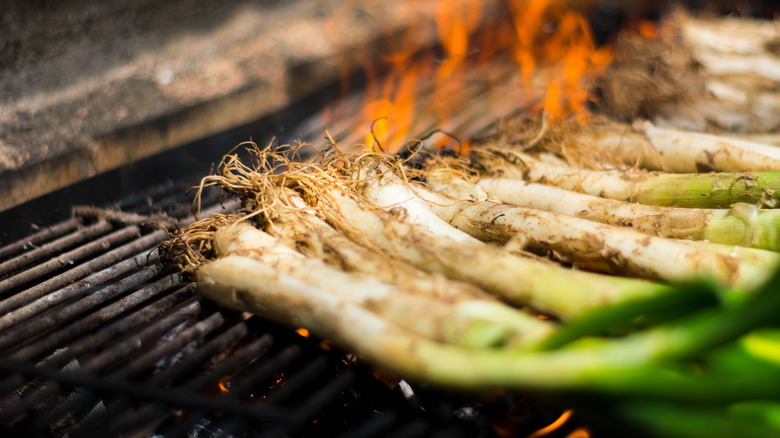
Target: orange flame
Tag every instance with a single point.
(303, 332)
(579, 433)
(560, 40)
(223, 383)
(553, 48)
(552, 427)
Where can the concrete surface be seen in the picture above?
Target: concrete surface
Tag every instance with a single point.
(89, 85)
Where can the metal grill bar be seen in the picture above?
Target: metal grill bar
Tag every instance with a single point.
(127, 324)
(56, 246)
(227, 367)
(81, 287)
(82, 270)
(417, 427)
(134, 201)
(41, 236)
(265, 373)
(305, 413)
(102, 360)
(146, 360)
(374, 426)
(198, 331)
(147, 336)
(58, 263)
(93, 320)
(63, 356)
(103, 385)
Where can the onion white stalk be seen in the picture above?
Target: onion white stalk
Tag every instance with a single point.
(469, 322)
(674, 150)
(715, 190)
(315, 238)
(622, 366)
(594, 245)
(742, 224)
(543, 286)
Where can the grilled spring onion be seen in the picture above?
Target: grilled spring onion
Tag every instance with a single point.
(675, 150)
(315, 238)
(414, 234)
(714, 190)
(580, 241)
(742, 224)
(711, 360)
(621, 366)
(462, 320)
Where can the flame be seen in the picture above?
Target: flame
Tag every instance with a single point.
(302, 331)
(559, 42)
(645, 28)
(579, 433)
(223, 383)
(552, 427)
(552, 46)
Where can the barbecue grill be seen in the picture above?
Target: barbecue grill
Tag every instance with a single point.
(99, 337)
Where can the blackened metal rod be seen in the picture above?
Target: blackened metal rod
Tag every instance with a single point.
(281, 394)
(306, 413)
(104, 335)
(127, 203)
(84, 286)
(117, 352)
(227, 206)
(244, 388)
(56, 246)
(85, 268)
(298, 382)
(229, 366)
(417, 427)
(85, 398)
(145, 337)
(41, 236)
(162, 203)
(198, 331)
(67, 258)
(374, 426)
(58, 338)
(248, 384)
(122, 326)
(101, 384)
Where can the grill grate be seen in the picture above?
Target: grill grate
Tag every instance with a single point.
(116, 344)
(98, 338)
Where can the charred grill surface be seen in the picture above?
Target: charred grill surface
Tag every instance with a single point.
(100, 338)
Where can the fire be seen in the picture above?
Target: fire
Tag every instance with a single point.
(552, 46)
(579, 433)
(303, 332)
(223, 383)
(558, 42)
(552, 427)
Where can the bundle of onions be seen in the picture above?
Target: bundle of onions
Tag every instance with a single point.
(654, 147)
(742, 224)
(358, 251)
(716, 74)
(711, 190)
